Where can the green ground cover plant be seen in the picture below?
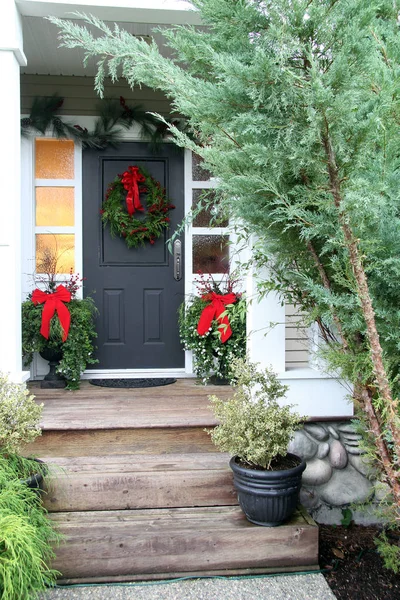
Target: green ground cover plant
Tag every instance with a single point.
(26, 535)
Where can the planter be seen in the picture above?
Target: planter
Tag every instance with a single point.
(216, 380)
(35, 481)
(52, 380)
(267, 498)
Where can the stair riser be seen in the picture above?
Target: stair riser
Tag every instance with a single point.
(121, 441)
(115, 491)
(116, 546)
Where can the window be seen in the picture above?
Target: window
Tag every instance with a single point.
(57, 235)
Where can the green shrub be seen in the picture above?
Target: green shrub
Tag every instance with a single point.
(253, 425)
(26, 535)
(19, 416)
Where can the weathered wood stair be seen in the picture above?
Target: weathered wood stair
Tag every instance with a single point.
(140, 493)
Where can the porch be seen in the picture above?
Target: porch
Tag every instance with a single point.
(139, 491)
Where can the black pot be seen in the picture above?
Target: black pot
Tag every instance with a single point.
(35, 481)
(52, 380)
(217, 380)
(267, 498)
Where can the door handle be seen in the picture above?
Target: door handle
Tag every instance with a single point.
(177, 260)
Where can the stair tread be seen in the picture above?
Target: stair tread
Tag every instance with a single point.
(182, 404)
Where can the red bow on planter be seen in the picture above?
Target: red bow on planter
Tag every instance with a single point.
(130, 180)
(214, 310)
(53, 303)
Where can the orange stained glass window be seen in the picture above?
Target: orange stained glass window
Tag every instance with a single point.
(55, 253)
(54, 159)
(55, 206)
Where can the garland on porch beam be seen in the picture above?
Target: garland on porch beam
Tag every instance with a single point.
(115, 116)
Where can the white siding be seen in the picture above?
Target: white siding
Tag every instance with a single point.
(296, 340)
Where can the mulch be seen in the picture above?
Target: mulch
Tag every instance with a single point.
(353, 568)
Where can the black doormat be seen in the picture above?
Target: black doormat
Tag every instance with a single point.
(132, 383)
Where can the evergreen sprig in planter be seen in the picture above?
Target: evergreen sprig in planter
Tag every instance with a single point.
(217, 339)
(256, 430)
(72, 353)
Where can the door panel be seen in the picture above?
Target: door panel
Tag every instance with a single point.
(135, 290)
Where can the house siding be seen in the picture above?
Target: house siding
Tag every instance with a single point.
(296, 340)
(80, 97)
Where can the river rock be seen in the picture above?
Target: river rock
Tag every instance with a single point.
(317, 472)
(345, 487)
(302, 445)
(323, 450)
(316, 431)
(309, 498)
(333, 432)
(360, 464)
(337, 455)
(345, 428)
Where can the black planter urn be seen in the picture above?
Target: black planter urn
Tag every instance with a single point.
(52, 380)
(267, 498)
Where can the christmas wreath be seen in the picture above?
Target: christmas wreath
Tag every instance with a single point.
(123, 204)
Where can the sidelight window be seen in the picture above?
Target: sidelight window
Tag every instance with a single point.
(57, 238)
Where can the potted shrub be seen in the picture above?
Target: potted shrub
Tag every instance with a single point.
(64, 336)
(26, 535)
(255, 429)
(212, 324)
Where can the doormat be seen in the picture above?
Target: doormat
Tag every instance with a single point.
(132, 383)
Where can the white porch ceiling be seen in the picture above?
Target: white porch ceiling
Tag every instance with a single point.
(40, 36)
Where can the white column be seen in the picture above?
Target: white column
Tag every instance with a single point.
(11, 58)
(265, 326)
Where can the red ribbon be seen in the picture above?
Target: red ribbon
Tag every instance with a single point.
(53, 303)
(130, 180)
(214, 310)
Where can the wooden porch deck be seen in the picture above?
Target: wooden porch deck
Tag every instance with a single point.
(140, 492)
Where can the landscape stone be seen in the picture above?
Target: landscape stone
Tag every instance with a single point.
(302, 445)
(345, 487)
(345, 428)
(317, 431)
(323, 450)
(317, 472)
(337, 455)
(309, 498)
(333, 432)
(360, 464)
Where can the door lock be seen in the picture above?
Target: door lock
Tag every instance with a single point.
(177, 260)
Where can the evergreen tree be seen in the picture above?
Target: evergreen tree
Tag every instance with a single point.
(294, 106)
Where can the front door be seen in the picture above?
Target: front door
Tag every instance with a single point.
(134, 289)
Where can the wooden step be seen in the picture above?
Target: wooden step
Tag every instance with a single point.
(146, 481)
(152, 544)
(182, 404)
(92, 442)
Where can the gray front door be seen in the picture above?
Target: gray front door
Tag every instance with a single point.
(134, 289)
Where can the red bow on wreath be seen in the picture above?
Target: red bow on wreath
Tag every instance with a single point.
(130, 180)
(214, 311)
(53, 303)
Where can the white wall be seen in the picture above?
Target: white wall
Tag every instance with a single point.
(11, 58)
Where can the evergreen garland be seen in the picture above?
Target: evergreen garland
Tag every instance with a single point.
(136, 231)
(115, 116)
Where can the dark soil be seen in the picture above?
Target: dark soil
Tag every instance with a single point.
(279, 463)
(354, 570)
